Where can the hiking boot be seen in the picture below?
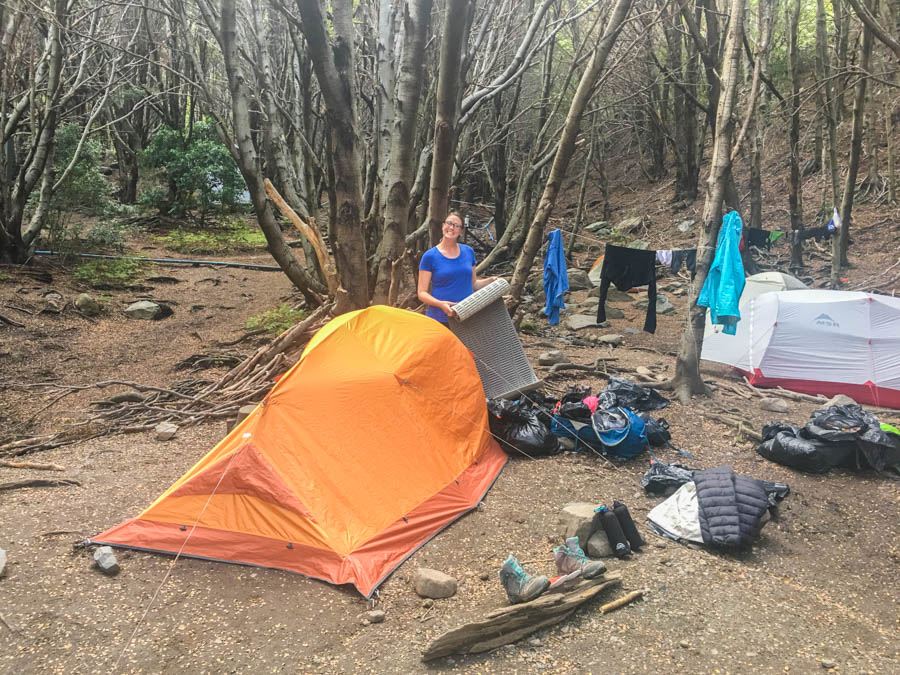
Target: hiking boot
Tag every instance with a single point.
(570, 558)
(521, 587)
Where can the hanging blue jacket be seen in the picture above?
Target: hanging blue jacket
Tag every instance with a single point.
(725, 282)
(556, 278)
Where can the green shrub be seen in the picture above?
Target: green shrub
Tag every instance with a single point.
(276, 320)
(110, 273)
(234, 234)
(200, 172)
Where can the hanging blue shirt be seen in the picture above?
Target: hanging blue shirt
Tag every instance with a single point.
(725, 282)
(451, 278)
(556, 278)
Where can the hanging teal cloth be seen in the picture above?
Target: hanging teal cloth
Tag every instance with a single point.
(725, 282)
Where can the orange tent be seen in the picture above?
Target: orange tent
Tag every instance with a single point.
(371, 444)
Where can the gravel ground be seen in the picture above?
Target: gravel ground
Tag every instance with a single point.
(816, 591)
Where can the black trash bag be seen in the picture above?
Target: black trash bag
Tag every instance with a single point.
(575, 411)
(622, 393)
(784, 444)
(575, 395)
(657, 430)
(522, 427)
(851, 425)
(664, 479)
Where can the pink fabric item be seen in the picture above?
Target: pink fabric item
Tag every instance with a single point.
(592, 403)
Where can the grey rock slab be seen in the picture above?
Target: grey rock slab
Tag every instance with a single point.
(593, 227)
(611, 339)
(576, 520)
(614, 313)
(375, 616)
(628, 225)
(552, 358)
(643, 370)
(165, 431)
(578, 280)
(639, 244)
(778, 405)
(143, 309)
(632, 331)
(615, 295)
(579, 321)
(106, 561)
(431, 583)
(87, 305)
(663, 306)
(686, 225)
(839, 399)
(598, 545)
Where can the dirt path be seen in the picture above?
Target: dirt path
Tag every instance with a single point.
(818, 589)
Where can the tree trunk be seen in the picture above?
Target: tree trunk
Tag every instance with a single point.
(687, 380)
(446, 116)
(823, 74)
(400, 168)
(795, 203)
(839, 243)
(566, 149)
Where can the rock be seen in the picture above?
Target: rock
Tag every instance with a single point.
(2, 562)
(840, 399)
(578, 280)
(375, 616)
(589, 302)
(686, 225)
(579, 321)
(106, 561)
(778, 405)
(165, 431)
(485, 576)
(593, 227)
(639, 244)
(644, 370)
(552, 358)
(628, 225)
(663, 306)
(598, 545)
(576, 520)
(428, 604)
(632, 331)
(54, 304)
(659, 544)
(535, 642)
(87, 305)
(431, 583)
(143, 309)
(614, 313)
(684, 644)
(242, 413)
(612, 339)
(828, 664)
(615, 295)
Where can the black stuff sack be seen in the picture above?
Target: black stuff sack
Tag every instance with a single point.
(521, 428)
(622, 393)
(664, 479)
(658, 433)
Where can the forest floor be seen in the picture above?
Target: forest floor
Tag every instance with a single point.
(818, 589)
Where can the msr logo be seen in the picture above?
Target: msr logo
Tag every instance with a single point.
(827, 321)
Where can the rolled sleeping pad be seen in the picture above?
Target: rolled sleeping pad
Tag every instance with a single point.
(481, 299)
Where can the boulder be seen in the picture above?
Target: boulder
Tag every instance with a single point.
(631, 331)
(143, 309)
(686, 225)
(839, 399)
(612, 339)
(643, 370)
(87, 305)
(639, 244)
(614, 313)
(431, 583)
(165, 431)
(778, 405)
(615, 295)
(552, 358)
(579, 321)
(593, 227)
(628, 225)
(375, 616)
(576, 520)
(578, 280)
(598, 545)
(663, 306)
(106, 561)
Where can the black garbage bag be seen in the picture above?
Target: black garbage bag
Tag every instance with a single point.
(851, 425)
(575, 411)
(626, 394)
(664, 479)
(658, 433)
(522, 428)
(785, 444)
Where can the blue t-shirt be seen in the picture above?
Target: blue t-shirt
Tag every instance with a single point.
(451, 278)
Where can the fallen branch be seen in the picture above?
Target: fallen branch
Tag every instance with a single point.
(31, 465)
(36, 483)
(743, 426)
(249, 334)
(11, 322)
(621, 602)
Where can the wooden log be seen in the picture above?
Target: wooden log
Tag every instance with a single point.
(621, 602)
(509, 624)
(31, 465)
(37, 482)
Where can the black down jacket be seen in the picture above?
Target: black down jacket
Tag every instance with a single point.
(731, 507)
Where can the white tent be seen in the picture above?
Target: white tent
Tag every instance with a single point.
(818, 342)
(764, 282)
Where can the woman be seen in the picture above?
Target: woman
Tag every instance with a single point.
(447, 272)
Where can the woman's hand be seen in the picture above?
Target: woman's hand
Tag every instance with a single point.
(447, 308)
